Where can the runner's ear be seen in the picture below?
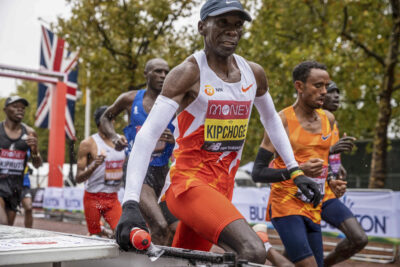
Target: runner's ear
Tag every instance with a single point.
(200, 27)
(299, 86)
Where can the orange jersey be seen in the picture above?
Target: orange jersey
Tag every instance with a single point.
(283, 200)
(211, 131)
(336, 157)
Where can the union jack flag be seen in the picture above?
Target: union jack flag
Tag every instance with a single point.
(55, 56)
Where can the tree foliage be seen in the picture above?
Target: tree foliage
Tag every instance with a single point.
(286, 32)
(116, 38)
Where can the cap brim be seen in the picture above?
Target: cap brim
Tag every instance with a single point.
(23, 100)
(246, 15)
(332, 88)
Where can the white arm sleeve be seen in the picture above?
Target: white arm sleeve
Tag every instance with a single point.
(160, 115)
(274, 127)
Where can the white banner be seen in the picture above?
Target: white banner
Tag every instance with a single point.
(377, 212)
(73, 198)
(53, 198)
(251, 202)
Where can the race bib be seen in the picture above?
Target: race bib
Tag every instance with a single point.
(335, 162)
(320, 182)
(12, 162)
(225, 125)
(114, 172)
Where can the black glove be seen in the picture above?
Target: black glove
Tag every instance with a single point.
(130, 218)
(307, 186)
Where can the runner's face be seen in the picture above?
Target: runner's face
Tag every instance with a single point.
(332, 100)
(15, 111)
(222, 33)
(315, 88)
(156, 75)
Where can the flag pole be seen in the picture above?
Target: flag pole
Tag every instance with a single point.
(56, 152)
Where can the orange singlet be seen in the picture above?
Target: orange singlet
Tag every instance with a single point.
(283, 201)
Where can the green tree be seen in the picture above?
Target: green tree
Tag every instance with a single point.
(115, 39)
(388, 59)
(285, 32)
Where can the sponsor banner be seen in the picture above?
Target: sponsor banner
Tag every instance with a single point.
(53, 198)
(251, 202)
(377, 212)
(37, 197)
(73, 199)
(67, 199)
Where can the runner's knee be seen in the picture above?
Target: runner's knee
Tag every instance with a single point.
(160, 228)
(27, 206)
(356, 236)
(360, 241)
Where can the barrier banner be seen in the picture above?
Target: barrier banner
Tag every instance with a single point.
(53, 198)
(377, 212)
(251, 202)
(73, 199)
(37, 197)
(67, 198)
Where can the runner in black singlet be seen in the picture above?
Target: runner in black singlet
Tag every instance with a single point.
(16, 139)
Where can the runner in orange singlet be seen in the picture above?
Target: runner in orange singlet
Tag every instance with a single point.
(334, 211)
(310, 134)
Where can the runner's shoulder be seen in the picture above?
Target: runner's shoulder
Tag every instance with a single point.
(330, 117)
(127, 97)
(188, 69)
(29, 129)
(87, 144)
(182, 79)
(283, 119)
(255, 67)
(260, 76)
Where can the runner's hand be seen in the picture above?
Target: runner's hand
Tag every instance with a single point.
(313, 167)
(98, 160)
(307, 186)
(338, 187)
(32, 142)
(345, 144)
(120, 142)
(342, 173)
(131, 217)
(167, 136)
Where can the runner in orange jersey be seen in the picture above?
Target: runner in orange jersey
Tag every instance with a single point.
(334, 211)
(213, 92)
(310, 132)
